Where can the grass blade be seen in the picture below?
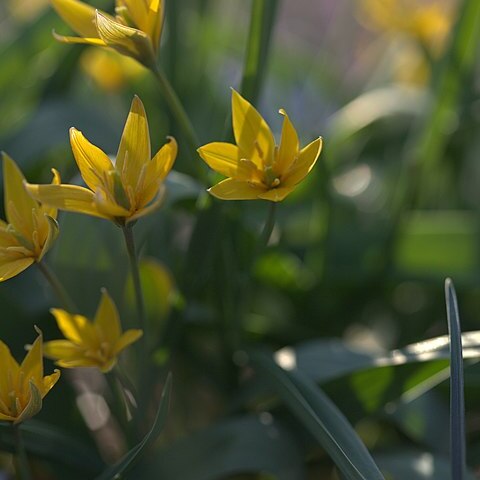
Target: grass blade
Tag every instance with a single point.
(320, 417)
(457, 401)
(134, 454)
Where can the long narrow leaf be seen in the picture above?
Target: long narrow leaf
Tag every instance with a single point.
(320, 417)
(134, 454)
(457, 401)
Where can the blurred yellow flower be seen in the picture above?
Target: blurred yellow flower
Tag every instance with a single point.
(90, 344)
(23, 387)
(31, 228)
(122, 191)
(427, 22)
(134, 31)
(256, 167)
(109, 71)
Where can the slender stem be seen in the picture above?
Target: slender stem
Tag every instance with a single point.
(180, 115)
(57, 287)
(132, 256)
(21, 461)
(269, 225)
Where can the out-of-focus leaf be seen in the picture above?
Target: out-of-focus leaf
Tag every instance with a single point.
(181, 186)
(320, 417)
(116, 470)
(246, 444)
(48, 442)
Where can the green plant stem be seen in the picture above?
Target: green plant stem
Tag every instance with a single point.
(57, 287)
(269, 225)
(180, 115)
(21, 461)
(134, 268)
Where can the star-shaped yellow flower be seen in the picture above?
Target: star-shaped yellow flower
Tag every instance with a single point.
(31, 228)
(135, 31)
(90, 344)
(121, 191)
(256, 167)
(23, 387)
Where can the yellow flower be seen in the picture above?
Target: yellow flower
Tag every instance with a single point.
(121, 191)
(23, 387)
(135, 31)
(256, 167)
(90, 344)
(31, 228)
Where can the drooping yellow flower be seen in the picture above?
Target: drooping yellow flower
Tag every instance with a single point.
(31, 228)
(23, 387)
(256, 167)
(90, 344)
(135, 31)
(121, 191)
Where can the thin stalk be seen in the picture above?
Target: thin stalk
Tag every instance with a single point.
(180, 115)
(134, 268)
(269, 225)
(57, 287)
(21, 461)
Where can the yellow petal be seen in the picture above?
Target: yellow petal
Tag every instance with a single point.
(276, 194)
(19, 206)
(107, 321)
(127, 339)
(62, 349)
(305, 162)
(6, 418)
(125, 40)
(52, 235)
(10, 268)
(32, 365)
(93, 163)
(10, 368)
(107, 208)
(252, 134)
(78, 15)
(288, 149)
(157, 203)
(231, 189)
(156, 13)
(156, 171)
(137, 11)
(134, 150)
(49, 381)
(222, 157)
(81, 40)
(67, 197)
(34, 404)
(56, 180)
(76, 328)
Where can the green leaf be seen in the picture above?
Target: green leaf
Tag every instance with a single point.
(320, 417)
(116, 470)
(457, 400)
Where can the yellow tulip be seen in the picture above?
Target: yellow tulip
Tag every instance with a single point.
(256, 167)
(90, 344)
(31, 228)
(23, 387)
(121, 191)
(134, 31)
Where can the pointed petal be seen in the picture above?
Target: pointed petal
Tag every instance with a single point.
(252, 134)
(125, 40)
(75, 328)
(231, 189)
(304, 164)
(134, 150)
(52, 235)
(67, 197)
(9, 368)
(156, 204)
(18, 204)
(10, 268)
(127, 339)
(93, 163)
(32, 365)
(56, 180)
(137, 11)
(78, 15)
(34, 404)
(222, 157)
(49, 381)
(6, 418)
(79, 40)
(276, 194)
(62, 350)
(107, 321)
(156, 13)
(288, 150)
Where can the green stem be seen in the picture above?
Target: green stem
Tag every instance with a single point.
(180, 115)
(269, 225)
(132, 256)
(57, 287)
(21, 461)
